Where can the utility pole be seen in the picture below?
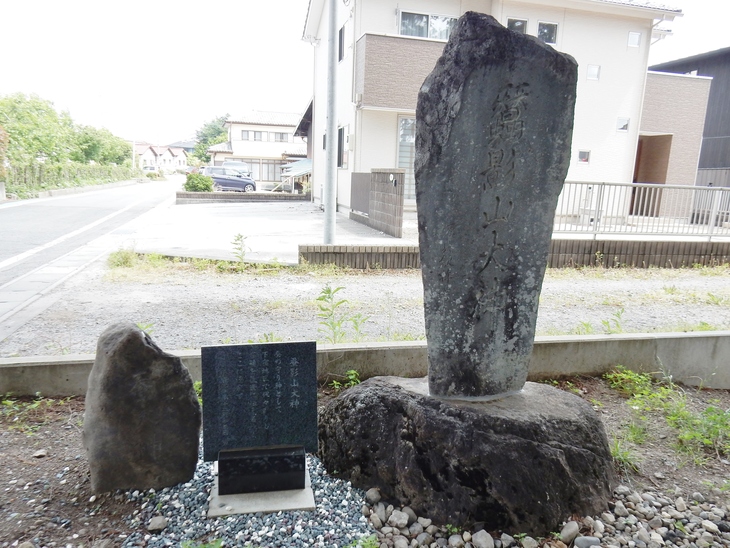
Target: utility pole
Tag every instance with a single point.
(330, 183)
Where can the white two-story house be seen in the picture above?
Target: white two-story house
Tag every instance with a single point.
(265, 141)
(386, 48)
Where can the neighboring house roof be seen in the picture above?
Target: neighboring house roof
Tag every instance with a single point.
(297, 169)
(266, 118)
(183, 144)
(305, 121)
(177, 151)
(669, 65)
(643, 4)
(160, 150)
(221, 147)
(298, 151)
(140, 149)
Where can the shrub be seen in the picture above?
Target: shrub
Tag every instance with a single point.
(195, 182)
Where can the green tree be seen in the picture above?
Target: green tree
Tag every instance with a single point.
(3, 151)
(100, 146)
(211, 133)
(36, 131)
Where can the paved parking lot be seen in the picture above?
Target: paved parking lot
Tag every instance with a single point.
(272, 230)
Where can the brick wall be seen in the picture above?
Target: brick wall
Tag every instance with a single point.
(563, 253)
(362, 256)
(386, 201)
(226, 197)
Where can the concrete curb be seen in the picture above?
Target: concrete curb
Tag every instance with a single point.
(694, 359)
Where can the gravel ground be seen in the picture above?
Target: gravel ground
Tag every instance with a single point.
(185, 308)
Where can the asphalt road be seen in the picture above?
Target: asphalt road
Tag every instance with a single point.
(44, 241)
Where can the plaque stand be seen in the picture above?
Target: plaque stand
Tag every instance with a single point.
(261, 479)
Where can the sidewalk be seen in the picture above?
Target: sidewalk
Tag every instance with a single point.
(272, 230)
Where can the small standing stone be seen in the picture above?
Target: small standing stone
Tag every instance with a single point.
(142, 416)
(40, 453)
(680, 504)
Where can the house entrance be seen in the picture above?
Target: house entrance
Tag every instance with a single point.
(652, 163)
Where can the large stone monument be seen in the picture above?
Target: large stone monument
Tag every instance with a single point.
(493, 131)
(473, 442)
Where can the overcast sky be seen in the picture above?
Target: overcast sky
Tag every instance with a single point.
(156, 70)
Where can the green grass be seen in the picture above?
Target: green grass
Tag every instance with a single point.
(27, 414)
(623, 458)
(700, 434)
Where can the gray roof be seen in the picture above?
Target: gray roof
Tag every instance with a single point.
(679, 63)
(266, 118)
(183, 144)
(648, 4)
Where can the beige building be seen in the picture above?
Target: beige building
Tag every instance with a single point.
(386, 48)
(265, 141)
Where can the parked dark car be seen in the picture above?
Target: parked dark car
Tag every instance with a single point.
(225, 178)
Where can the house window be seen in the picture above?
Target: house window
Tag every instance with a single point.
(584, 156)
(634, 39)
(547, 32)
(260, 135)
(593, 72)
(622, 125)
(244, 135)
(440, 27)
(407, 154)
(341, 48)
(281, 137)
(437, 27)
(271, 170)
(517, 25)
(342, 147)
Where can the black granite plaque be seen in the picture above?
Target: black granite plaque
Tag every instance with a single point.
(260, 469)
(257, 395)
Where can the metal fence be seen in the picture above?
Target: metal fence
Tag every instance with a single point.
(643, 209)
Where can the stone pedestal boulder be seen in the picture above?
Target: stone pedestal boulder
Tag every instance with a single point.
(142, 418)
(522, 463)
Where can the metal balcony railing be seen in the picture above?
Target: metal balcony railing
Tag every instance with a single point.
(643, 209)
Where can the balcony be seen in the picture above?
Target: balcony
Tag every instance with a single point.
(389, 70)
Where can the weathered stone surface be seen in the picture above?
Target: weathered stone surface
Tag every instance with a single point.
(142, 417)
(493, 132)
(522, 463)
